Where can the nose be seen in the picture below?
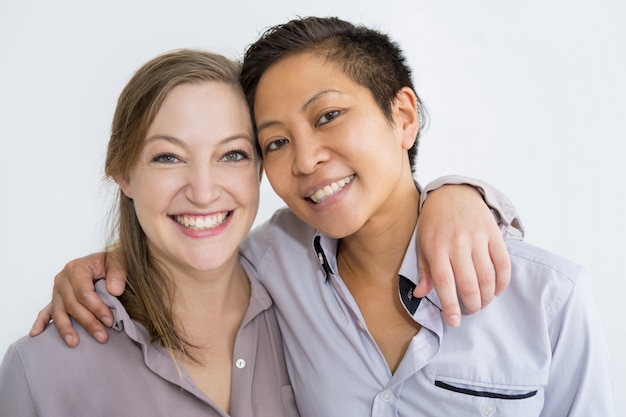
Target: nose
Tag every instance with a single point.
(203, 185)
(309, 152)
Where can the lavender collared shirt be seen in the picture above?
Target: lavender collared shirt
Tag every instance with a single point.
(537, 350)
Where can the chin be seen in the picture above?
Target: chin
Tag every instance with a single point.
(337, 230)
(207, 261)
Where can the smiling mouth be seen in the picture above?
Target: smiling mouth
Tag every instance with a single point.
(330, 189)
(202, 222)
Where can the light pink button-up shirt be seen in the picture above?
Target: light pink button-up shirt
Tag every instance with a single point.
(129, 376)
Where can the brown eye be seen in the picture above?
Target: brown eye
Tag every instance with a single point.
(276, 145)
(328, 117)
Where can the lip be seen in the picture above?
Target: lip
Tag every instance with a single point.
(328, 190)
(202, 232)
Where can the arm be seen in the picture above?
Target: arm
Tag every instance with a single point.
(577, 339)
(461, 243)
(457, 239)
(502, 208)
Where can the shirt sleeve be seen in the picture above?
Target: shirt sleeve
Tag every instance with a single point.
(15, 396)
(502, 208)
(580, 381)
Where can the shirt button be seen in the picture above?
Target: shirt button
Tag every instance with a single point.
(386, 396)
(488, 409)
(240, 363)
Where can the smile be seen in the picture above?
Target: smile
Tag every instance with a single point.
(202, 222)
(330, 190)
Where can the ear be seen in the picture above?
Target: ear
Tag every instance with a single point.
(406, 112)
(124, 184)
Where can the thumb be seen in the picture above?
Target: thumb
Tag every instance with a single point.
(424, 280)
(115, 274)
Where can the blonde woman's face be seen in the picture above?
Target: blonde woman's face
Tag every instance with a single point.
(196, 186)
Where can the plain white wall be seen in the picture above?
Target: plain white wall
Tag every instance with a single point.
(528, 95)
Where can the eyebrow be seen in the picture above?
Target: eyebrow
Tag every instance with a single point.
(304, 108)
(176, 141)
(167, 138)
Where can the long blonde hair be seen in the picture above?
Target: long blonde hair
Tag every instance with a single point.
(149, 290)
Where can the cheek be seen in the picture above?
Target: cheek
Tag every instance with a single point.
(252, 190)
(155, 190)
(244, 184)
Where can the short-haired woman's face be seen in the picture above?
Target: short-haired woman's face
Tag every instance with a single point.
(328, 150)
(195, 187)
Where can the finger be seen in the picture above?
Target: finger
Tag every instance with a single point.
(485, 274)
(443, 279)
(42, 320)
(115, 273)
(63, 324)
(63, 308)
(74, 285)
(424, 280)
(91, 307)
(501, 264)
(94, 263)
(467, 285)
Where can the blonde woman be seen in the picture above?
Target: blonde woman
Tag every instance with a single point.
(194, 333)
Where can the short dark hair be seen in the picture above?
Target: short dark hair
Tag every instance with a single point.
(368, 57)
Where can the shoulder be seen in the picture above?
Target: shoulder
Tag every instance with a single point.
(283, 230)
(283, 222)
(38, 351)
(540, 276)
(34, 366)
(49, 344)
(527, 258)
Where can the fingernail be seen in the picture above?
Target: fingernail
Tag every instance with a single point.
(117, 287)
(99, 336)
(107, 321)
(454, 320)
(68, 340)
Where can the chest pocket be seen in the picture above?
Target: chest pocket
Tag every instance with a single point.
(487, 399)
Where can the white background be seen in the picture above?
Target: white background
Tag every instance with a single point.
(528, 95)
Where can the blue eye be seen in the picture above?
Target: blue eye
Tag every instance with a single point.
(328, 117)
(235, 156)
(166, 158)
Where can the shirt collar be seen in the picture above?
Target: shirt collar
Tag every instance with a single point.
(325, 249)
(121, 318)
(260, 301)
(410, 272)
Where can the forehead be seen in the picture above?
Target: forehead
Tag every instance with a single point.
(296, 79)
(305, 65)
(208, 105)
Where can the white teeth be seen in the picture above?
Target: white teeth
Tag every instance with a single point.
(330, 189)
(202, 222)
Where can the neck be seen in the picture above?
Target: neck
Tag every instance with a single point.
(375, 252)
(209, 308)
(204, 298)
